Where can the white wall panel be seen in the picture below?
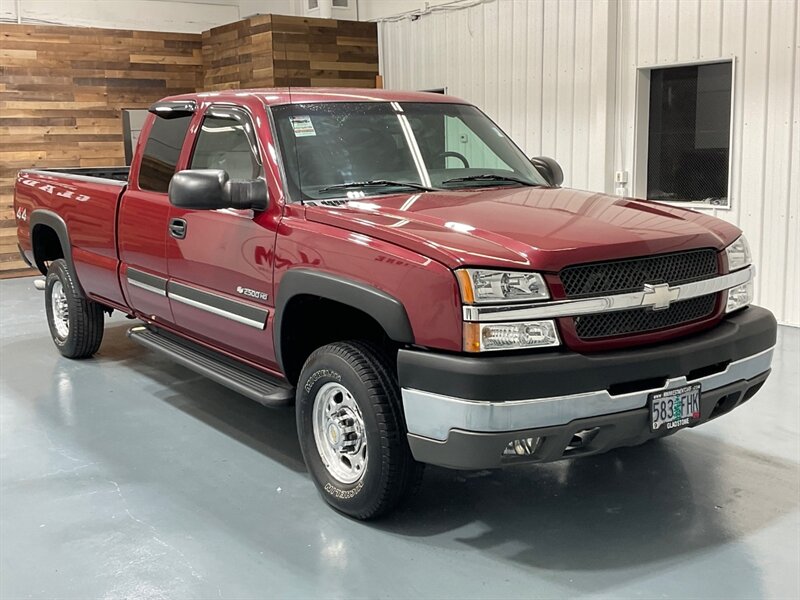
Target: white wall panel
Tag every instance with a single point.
(561, 77)
(369, 10)
(762, 38)
(519, 61)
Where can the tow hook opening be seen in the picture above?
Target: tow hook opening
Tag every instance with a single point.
(581, 440)
(725, 404)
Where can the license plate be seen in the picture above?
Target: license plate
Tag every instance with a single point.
(674, 408)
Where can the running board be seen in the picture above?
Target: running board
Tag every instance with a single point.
(254, 384)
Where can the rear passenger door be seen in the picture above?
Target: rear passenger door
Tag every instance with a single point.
(220, 261)
(144, 213)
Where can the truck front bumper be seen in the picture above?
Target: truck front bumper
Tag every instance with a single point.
(464, 411)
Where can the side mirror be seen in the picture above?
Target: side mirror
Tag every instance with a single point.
(549, 169)
(210, 189)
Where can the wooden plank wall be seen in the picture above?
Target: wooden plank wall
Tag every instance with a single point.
(62, 88)
(61, 94)
(277, 50)
(324, 52)
(238, 55)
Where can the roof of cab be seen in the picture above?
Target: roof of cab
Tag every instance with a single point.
(299, 95)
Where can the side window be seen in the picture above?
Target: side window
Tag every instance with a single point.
(223, 144)
(161, 152)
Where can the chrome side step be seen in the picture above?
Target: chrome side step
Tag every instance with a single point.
(243, 379)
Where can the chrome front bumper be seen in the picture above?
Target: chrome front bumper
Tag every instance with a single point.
(462, 411)
(434, 415)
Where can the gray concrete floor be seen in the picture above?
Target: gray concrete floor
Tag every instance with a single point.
(126, 476)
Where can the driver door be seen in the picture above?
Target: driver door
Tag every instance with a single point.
(220, 261)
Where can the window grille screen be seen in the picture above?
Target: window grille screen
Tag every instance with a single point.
(689, 133)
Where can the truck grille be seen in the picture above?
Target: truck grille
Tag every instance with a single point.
(641, 320)
(630, 275)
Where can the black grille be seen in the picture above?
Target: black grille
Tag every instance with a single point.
(630, 275)
(640, 320)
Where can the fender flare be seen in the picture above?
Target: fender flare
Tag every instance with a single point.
(387, 310)
(42, 216)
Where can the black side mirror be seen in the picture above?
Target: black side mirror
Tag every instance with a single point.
(210, 189)
(549, 169)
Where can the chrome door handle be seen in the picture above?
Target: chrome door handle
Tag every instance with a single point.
(177, 228)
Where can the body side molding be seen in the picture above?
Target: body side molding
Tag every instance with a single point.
(222, 306)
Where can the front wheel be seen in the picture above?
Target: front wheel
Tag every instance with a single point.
(351, 430)
(76, 323)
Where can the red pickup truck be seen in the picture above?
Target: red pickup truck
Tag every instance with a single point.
(394, 265)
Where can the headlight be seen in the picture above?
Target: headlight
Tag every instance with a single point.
(479, 337)
(738, 254)
(479, 286)
(739, 297)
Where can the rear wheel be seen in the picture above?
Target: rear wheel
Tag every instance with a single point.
(76, 323)
(352, 432)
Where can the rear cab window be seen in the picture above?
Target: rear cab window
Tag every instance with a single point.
(161, 152)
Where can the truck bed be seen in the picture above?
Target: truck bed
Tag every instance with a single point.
(82, 204)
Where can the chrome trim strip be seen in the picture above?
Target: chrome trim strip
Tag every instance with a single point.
(149, 288)
(218, 311)
(586, 306)
(147, 281)
(76, 177)
(434, 415)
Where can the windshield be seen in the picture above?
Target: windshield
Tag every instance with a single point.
(354, 149)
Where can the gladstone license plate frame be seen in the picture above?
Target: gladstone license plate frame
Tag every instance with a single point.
(674, 408)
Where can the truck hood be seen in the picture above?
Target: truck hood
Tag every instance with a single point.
(544, 229)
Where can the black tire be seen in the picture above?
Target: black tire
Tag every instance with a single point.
(391, 474)
(85, 317)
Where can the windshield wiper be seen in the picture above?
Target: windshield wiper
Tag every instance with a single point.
(490, 177)
(376, 183)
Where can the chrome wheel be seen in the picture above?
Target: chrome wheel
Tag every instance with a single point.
(58, 300)
(339, 433)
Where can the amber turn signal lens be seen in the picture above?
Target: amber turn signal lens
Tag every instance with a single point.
(465, 283)
(472, 337)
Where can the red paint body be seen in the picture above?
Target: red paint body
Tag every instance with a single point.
(403, 244)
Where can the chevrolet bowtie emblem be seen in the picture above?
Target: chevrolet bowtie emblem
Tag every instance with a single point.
(659, 296)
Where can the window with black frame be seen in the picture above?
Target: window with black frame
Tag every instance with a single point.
(688, 151)
(161, 153)
(223, 144)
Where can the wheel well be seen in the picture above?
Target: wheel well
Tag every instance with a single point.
(311, 321)
(46, 246)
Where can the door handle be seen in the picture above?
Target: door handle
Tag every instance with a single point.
(177, 228)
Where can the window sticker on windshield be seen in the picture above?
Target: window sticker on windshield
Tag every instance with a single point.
(302, 126)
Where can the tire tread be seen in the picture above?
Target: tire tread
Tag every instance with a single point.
(86, 316)
(402, 474)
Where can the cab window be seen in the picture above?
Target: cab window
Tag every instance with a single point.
(161, 152)
(223, 143)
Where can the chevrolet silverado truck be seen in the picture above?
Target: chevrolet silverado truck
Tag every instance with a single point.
(395, 266)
